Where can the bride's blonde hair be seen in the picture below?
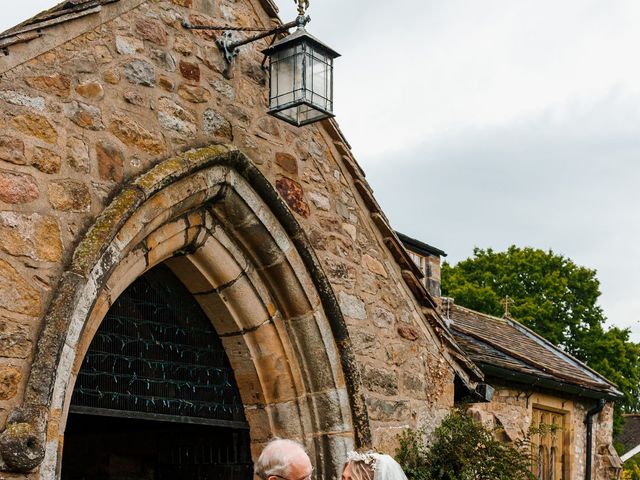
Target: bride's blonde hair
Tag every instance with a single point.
(360, 470)
(361, 465)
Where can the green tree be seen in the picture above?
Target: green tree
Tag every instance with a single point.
(554, 297)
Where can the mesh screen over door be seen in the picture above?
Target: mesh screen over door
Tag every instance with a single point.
(156, 397)
(156, 355)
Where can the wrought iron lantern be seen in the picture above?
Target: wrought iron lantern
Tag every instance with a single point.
(300, 78)
(300, 66)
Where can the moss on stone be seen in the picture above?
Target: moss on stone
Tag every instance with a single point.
(95, 242)
(20, 447)
(160, 175)
(104, 229)
(17, 430)
(199, 157)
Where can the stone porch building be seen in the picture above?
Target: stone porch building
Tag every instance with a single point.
(170, 252)
(536, 385)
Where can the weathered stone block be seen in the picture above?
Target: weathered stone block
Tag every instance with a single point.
(15, 339)
(387, 410)
(287, 162)
(339, 272)
(151, 31)
(172, 116)
(285, 419)
(167, 84)
(190, 71)
(20, 99)
(134, 98)
(12, 150)
(17, 187)
(46, 161)
(140, 72)
(135, 135)
(112, 77)
(255, 72)
(69, 195)
(320, 200)
(352, 306)
(21, 447)
(35, 126)
(102, 54)
(128, 45)
(216, 124)
(57, 84)
(78, 154)
(33, 236)
(291, 192)
(223, 88)
(16, 293)
(92, 90)
(83, 63)
(183, 45)
(84, 115)
(414, 384)
(383, 318)
(269, 126)
(408, 332)
(9, 382)
(380, 380)
(110, 162)
(374, 265)
(164, 60)
(398, 353)
(351, 230)
(194, 93)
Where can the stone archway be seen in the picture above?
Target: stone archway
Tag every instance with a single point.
(220, 226)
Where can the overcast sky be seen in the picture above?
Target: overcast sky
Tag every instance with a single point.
(495, 122)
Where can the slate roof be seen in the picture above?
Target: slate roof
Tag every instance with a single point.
(505, 349)
(70, 10)
(60, 13)
(419, 247)
(630, 436)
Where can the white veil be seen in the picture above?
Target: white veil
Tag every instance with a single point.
(384, 466)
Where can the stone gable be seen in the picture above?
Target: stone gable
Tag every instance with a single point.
(99, 101)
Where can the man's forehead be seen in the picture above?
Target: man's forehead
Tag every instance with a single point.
(300, 464)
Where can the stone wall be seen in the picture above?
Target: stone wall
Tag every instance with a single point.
(511, 410)
(129, 88)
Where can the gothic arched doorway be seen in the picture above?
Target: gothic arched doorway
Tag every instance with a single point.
(219, 225)
(156, 397)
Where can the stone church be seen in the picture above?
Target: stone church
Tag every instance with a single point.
(183, 276)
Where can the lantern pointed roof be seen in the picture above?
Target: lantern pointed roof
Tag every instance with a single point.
(299, 36)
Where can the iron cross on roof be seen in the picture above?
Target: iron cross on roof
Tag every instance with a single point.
(507, 303)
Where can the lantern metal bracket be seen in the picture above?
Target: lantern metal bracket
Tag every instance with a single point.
(231, 48)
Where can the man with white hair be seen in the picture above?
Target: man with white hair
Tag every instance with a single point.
(284, 460)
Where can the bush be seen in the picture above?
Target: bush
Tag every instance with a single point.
(631, 469)
(463, 449)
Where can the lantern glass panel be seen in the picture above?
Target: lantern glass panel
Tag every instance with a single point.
(301, 81)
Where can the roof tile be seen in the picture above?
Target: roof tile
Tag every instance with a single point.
(504, 343)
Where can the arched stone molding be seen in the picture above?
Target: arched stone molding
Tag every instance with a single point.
(221, 227)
